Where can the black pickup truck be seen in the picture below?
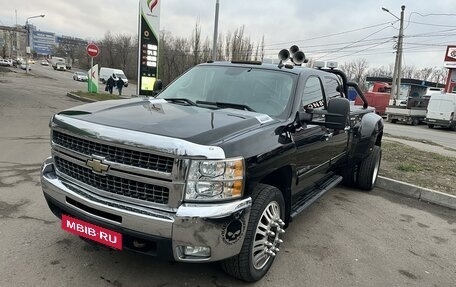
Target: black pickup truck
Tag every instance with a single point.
(215, 167)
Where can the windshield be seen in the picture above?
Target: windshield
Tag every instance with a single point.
(263, 91)
(122, 76)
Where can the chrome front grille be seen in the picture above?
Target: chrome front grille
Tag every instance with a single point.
(114, 153)
(114, 184)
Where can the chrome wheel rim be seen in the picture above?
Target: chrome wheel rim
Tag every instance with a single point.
(267, 236)
(376, 168)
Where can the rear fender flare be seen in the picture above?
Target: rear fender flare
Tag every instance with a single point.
(367, 134)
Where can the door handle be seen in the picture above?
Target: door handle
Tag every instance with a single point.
(327, 136)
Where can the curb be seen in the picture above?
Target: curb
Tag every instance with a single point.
(76, 97)
(413, 191)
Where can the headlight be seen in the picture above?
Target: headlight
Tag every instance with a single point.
(215, 179)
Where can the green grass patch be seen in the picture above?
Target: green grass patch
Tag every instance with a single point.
(408, 167)
(97, 96)
(426, 169)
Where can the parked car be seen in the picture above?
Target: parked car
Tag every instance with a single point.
(24, 66)
(60, 66)
(80, 76)
(44, 63)
(6, 62)
(213, 168)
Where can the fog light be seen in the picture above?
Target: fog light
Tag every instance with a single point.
(197, 251)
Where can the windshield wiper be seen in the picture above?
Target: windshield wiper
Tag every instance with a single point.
(181, 100)
(226, 105)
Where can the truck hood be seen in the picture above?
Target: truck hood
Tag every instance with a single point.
(157, 116)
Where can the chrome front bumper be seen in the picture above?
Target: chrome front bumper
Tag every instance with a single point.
(221, 227)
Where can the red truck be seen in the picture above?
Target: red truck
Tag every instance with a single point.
(378, 96)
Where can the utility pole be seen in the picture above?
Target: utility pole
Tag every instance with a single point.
(400, 41)
(214, 46)
(397, 73)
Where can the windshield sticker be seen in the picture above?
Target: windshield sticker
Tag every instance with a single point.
(157, 101)
(264, 119)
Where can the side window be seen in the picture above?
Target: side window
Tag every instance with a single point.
(312, 95)
(332, 86)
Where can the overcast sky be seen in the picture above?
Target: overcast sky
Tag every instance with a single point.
(309, 24)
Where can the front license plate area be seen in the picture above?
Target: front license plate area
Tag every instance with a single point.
(93, 232)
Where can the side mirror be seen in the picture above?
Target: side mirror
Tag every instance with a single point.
(158, 86)
(338, 111)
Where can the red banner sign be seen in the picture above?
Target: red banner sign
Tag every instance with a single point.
(99, 234)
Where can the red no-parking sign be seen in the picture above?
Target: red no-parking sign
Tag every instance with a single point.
(92, 50)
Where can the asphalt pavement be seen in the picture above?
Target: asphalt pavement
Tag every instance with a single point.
(346, 238)
(441, 136)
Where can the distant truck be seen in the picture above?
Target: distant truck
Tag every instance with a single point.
(105, 73)
(378, 96)
(55, 60)
(412, 104)
(409, 106)
(441, 111)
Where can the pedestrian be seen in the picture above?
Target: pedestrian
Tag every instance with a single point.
(120, 83)
(109, 84)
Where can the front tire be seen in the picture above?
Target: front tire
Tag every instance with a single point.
(431, 126)
(262, 239)
(368, 169)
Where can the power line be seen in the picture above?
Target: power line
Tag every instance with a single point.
(330, 44)
(431, 24)
(379, 44)
(368, 42)
(426, 15)
(330, 35)
(356, 41)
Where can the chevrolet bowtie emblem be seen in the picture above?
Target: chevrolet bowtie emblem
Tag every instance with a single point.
(97, 166)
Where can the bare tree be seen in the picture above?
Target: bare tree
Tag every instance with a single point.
(408, 72)
(382, 71)
(196, 43)
(123, 50)
(425, 73)
(241, 46)
(107, 45)
(439, 75)
(356, 71)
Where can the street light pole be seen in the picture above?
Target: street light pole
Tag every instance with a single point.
(214, 45)
(28, 41)
(396, 83)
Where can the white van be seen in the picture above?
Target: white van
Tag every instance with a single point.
(441, 111)
(105, 73)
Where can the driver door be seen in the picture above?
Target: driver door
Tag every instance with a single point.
(315, 144)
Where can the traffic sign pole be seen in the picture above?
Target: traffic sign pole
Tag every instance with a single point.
(91, 80)
(93, 51)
